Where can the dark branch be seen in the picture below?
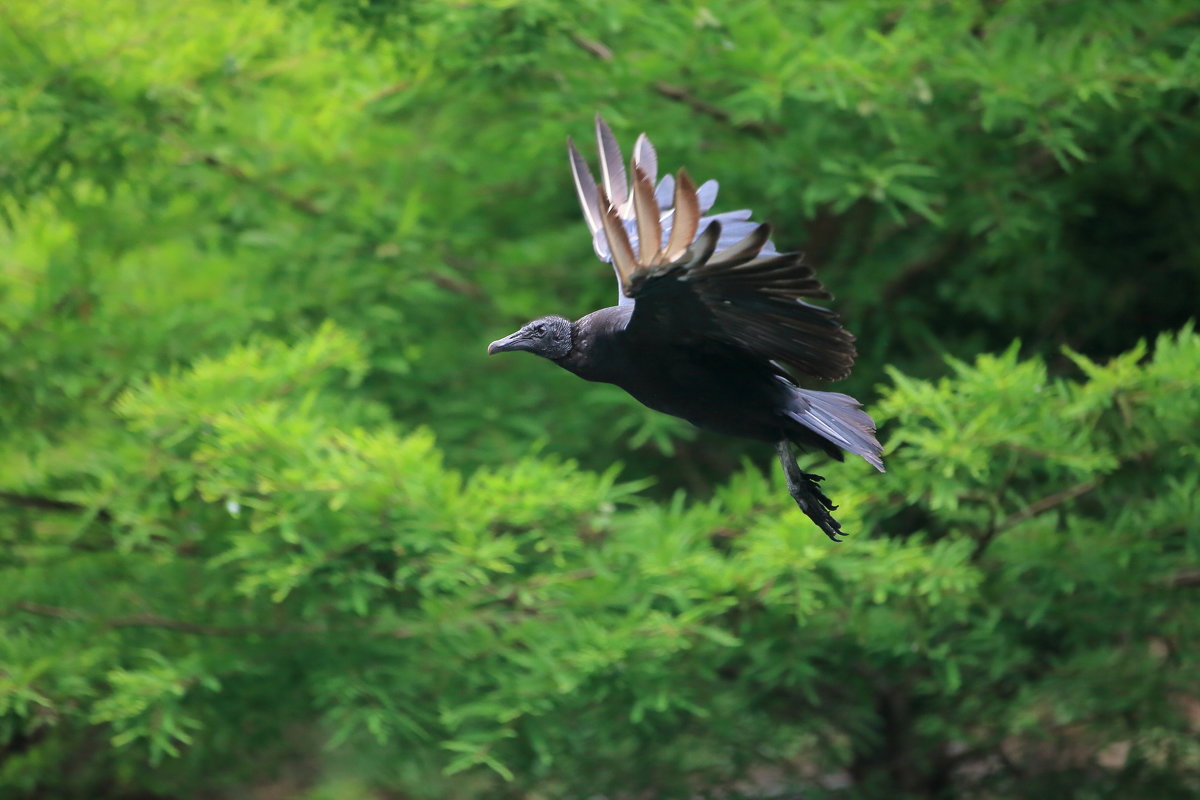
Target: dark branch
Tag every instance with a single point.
(681, 95)
(52, 504)
(155, 621)
(303, 205)
(595, 48)
(385, 92)
(1188, 578)
(1047, 503)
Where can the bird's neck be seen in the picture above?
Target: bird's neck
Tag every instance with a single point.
(596, 351)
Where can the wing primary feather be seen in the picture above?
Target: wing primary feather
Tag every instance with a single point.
(701, 249)
(618, 242)
(612, 167)
(649, 227)
(665, 192)
(585, 187)
(686, 219)
(706, 195)
(645, 158)
(746, 249)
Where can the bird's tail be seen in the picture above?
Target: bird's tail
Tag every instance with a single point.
(838, 418)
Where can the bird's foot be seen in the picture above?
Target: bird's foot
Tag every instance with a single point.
(803, 488)
(816, 505)
(812, 479)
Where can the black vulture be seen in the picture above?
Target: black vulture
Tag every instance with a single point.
(711, 323)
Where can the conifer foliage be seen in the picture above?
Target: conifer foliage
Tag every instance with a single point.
(272, 525)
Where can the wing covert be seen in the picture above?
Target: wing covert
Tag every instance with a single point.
(739, 296)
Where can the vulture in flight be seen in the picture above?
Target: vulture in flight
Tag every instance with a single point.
(712, 323)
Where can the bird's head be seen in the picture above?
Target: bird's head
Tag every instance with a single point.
(548, 337)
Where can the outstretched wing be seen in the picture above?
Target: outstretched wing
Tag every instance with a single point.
(618, 186)
(690, 289)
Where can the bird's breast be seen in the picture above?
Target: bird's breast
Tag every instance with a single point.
(721, 392)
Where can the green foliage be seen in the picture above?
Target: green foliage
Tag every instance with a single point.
(176, 179)
(272, 523)
(275, 555)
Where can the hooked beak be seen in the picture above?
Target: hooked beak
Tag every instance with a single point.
(514, 341)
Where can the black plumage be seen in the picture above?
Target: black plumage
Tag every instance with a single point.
(712, 323)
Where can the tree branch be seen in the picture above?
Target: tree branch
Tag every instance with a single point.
(385, 92)
(155, 621)
(1188, 578)
(301, 204)
(1047, 503)
(682, 95)
(592, 47)
(52, 504)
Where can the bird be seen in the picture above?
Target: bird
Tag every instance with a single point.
(712, 323)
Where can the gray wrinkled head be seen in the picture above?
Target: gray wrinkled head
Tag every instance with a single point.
(548, 337)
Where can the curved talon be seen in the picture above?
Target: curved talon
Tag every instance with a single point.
(808, 496)
(812, 478)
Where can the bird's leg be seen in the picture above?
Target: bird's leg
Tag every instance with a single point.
(804, 490)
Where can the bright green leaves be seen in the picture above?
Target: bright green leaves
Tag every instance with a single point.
(145, 705)
(266, 501)
(522, 625)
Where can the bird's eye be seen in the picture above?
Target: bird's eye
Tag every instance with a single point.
(539, 329)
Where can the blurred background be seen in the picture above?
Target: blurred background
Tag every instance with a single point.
(273, 525)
